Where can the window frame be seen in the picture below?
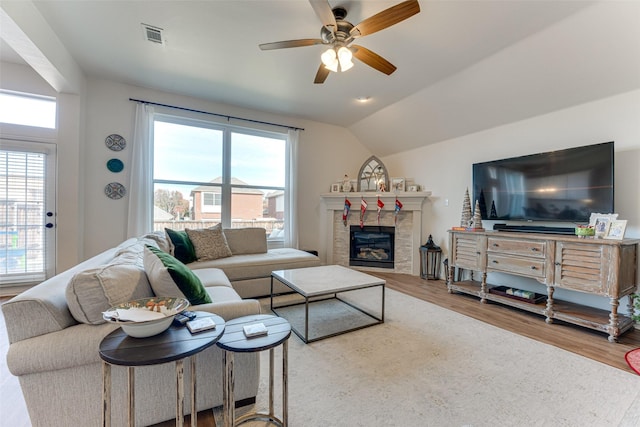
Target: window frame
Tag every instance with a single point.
(226, 186)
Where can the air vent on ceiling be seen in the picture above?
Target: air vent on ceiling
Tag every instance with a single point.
(153, 34)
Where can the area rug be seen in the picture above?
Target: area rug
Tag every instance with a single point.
(428, 366)
(330, 316)
(633, 359)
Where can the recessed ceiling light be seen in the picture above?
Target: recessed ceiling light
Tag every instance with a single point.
(363, 99)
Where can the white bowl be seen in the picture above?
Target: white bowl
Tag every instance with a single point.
(146, 329)
(169, 306)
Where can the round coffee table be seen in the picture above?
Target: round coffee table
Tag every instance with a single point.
(235, 341)
(174, 344)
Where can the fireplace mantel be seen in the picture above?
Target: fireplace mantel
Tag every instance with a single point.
(411, 200)
(409, 220)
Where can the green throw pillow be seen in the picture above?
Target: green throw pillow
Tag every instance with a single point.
(171, 278)
(182, 247)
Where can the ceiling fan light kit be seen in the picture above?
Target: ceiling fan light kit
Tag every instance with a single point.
(339, 34)
(342, 58)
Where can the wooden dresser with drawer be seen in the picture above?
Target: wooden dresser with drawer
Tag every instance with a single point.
(606, 268)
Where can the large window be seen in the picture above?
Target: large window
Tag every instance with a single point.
(206, 173)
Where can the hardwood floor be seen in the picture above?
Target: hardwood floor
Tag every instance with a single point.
(581, 341)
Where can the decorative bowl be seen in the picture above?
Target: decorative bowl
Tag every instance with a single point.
(146, 317)
(585, 232)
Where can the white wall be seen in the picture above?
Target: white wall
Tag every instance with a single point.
(326, 154)
(445, 168)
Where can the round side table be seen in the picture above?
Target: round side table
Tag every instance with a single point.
(174, 344)
(235, 341)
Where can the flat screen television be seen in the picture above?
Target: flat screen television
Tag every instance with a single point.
(557, 186)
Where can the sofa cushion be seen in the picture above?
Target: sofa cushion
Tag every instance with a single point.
(181, 246)
(171, 278)
(209, 243)
(242, 267)
(156, 238)
(250, 240)
(212, 277)
(92, 291)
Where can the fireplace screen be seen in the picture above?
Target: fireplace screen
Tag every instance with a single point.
(372, 246)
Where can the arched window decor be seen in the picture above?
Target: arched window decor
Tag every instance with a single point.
(373, 176)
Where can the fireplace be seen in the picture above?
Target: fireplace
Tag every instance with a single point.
(335, 244)
(371, 246)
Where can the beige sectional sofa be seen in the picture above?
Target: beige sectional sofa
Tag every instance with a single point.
(250, 267)
(55, 356)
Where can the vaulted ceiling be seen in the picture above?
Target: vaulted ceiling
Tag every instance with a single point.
(463, 66)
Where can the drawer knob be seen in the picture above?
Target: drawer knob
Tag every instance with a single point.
(495, 245)
(533, 267)
(494, 261)
(534, 249)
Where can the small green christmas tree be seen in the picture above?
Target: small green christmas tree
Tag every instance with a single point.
(465, 219)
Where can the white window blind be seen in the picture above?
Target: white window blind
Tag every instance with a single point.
(22, 205)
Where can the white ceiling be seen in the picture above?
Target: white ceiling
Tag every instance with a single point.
(211, 52)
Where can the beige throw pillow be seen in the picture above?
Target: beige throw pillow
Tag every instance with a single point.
(209, 243)
(93, 291)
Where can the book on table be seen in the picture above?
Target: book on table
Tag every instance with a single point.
(201, 324)
(255, 330)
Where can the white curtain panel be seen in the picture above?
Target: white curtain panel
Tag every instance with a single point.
(290, 195)
(140, 215)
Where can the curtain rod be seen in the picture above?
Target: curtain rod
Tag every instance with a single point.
(215, 114)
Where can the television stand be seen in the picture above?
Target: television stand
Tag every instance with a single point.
(594, 267)
(534, 229)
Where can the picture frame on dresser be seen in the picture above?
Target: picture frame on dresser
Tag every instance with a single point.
(616, 229)
(601, 223)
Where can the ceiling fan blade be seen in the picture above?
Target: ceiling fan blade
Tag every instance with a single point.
(290, 43)
(373, 60)
(386, 18)
(321, 75)
(325, 14)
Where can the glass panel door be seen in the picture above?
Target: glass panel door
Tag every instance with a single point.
(27, 212)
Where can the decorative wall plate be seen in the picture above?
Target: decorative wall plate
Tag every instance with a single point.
(115, 165)
(115, 142)
(115, 190)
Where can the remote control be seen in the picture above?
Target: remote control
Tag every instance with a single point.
(190, 314)
(180, 320)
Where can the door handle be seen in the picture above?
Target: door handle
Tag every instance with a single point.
(49, 224)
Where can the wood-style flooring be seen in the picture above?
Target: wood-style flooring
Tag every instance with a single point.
(581, 341)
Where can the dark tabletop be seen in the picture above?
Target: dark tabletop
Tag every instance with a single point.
(233, 339)
(173, 344)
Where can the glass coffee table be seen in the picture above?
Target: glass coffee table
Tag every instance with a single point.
(329, 300)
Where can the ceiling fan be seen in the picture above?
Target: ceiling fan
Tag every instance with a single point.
(338, 34)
